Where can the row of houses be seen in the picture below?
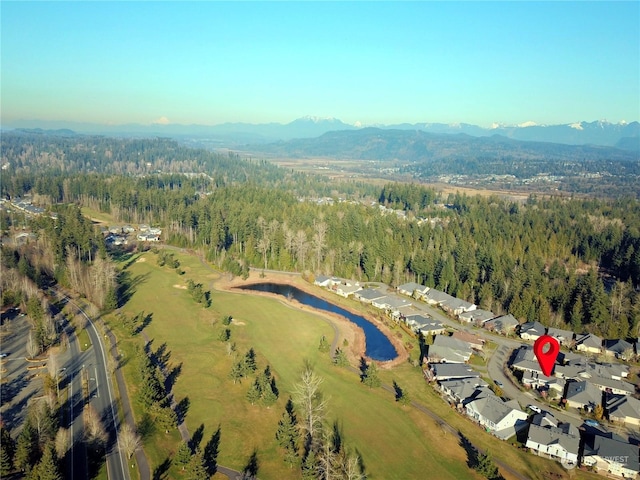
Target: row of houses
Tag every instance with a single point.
(119, 234)
(585, 342)
(545, 436)
(583, 384)
(605, 452)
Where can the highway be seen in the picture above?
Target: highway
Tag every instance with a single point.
(92, 364)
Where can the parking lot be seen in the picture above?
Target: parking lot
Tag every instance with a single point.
(20, 384)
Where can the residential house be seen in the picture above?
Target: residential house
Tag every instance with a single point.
(408, 310)
(456, 306)
(425, 325)
(436, 297)
(344, 290)
(503, 419)
(532, 330)
(504, 324)
(476, 316)
(391, 304)
(148, 237)
(539, 380)
(525, 360)
(449, 350)
(459, 390)
(412, 289)
(609, 385)
(451, 371)
(588, 343)
(476, 342)
(618, 348)
(544, 419)
(368, 295)
(583, 394)
(559, 443)
(323, 281)
(617, 371)
(612, 456)
(564, 337)
(624, 409)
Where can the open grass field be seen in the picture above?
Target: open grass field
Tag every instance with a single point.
(394, 441)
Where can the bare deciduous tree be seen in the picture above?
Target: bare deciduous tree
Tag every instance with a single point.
(308, 397)
(63, 441)
(129, 439)
(33, 348)
(95, 431)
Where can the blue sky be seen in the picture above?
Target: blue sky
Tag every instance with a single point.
(372, 62)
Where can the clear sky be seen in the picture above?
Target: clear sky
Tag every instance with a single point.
(372, 62)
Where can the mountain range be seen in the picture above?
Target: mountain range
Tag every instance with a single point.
(416, 146)
(621, 135)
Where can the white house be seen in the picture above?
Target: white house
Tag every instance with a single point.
(612, 456)
(588, 343)
(564, 337)
(503, 419)
(532, 330)
(346, 290)
(559, 443)
(410, 289)
(624, 409)
(504, 324)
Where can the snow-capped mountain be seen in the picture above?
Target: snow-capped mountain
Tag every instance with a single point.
(622, 135)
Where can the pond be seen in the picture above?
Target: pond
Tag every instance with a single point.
(377, 345)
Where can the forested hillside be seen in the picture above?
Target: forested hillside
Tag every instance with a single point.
(565, 262)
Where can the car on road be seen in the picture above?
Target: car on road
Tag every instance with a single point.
(498, 383)
(2, 355)
(534, 408)
(591, 423)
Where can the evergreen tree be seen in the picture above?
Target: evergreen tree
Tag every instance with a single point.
(196, 469)
(340, 359)
(26, 448)
(8, 444)
(268, 396)
(370, 377)
(249, 362)
(237, 372)
(47, 468)
(324, 345)
(225, 335)
(255, 393)
(210, 452)
(151, 389)
(486, 467)
(183, 455)
(6, 462)
(310, 467)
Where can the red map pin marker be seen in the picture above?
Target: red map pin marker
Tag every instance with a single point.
(547, 358)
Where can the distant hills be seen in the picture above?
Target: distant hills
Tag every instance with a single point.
(421, 146)
(622, 135)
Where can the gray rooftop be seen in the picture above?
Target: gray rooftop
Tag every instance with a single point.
(554, 435)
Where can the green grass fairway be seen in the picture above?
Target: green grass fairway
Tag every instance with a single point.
(395, 442)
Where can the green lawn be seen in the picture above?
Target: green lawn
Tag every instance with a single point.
(394, 441)
(83, 339)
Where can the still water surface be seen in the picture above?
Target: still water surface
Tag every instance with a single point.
(378, 346)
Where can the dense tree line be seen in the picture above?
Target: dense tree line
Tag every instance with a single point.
(561, 261)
